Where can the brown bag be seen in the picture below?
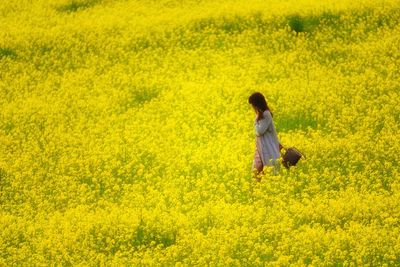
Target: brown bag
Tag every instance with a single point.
(291, 157)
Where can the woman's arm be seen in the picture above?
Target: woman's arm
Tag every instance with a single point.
(262, 125)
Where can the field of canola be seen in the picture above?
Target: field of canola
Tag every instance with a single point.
(126, 137)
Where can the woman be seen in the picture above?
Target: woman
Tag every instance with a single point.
(267, 143)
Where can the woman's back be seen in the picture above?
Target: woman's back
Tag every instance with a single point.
(267, 139)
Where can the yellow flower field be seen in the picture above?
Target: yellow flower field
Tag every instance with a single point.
(126, 137)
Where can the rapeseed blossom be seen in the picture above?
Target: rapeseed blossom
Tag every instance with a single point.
(126, 137)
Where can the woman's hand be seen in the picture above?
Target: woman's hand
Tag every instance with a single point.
(280, 147)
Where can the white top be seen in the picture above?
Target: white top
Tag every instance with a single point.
(267, 141)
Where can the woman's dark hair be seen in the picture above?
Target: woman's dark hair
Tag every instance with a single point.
(258, 100)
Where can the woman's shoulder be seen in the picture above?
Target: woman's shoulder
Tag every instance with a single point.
(267, 113)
